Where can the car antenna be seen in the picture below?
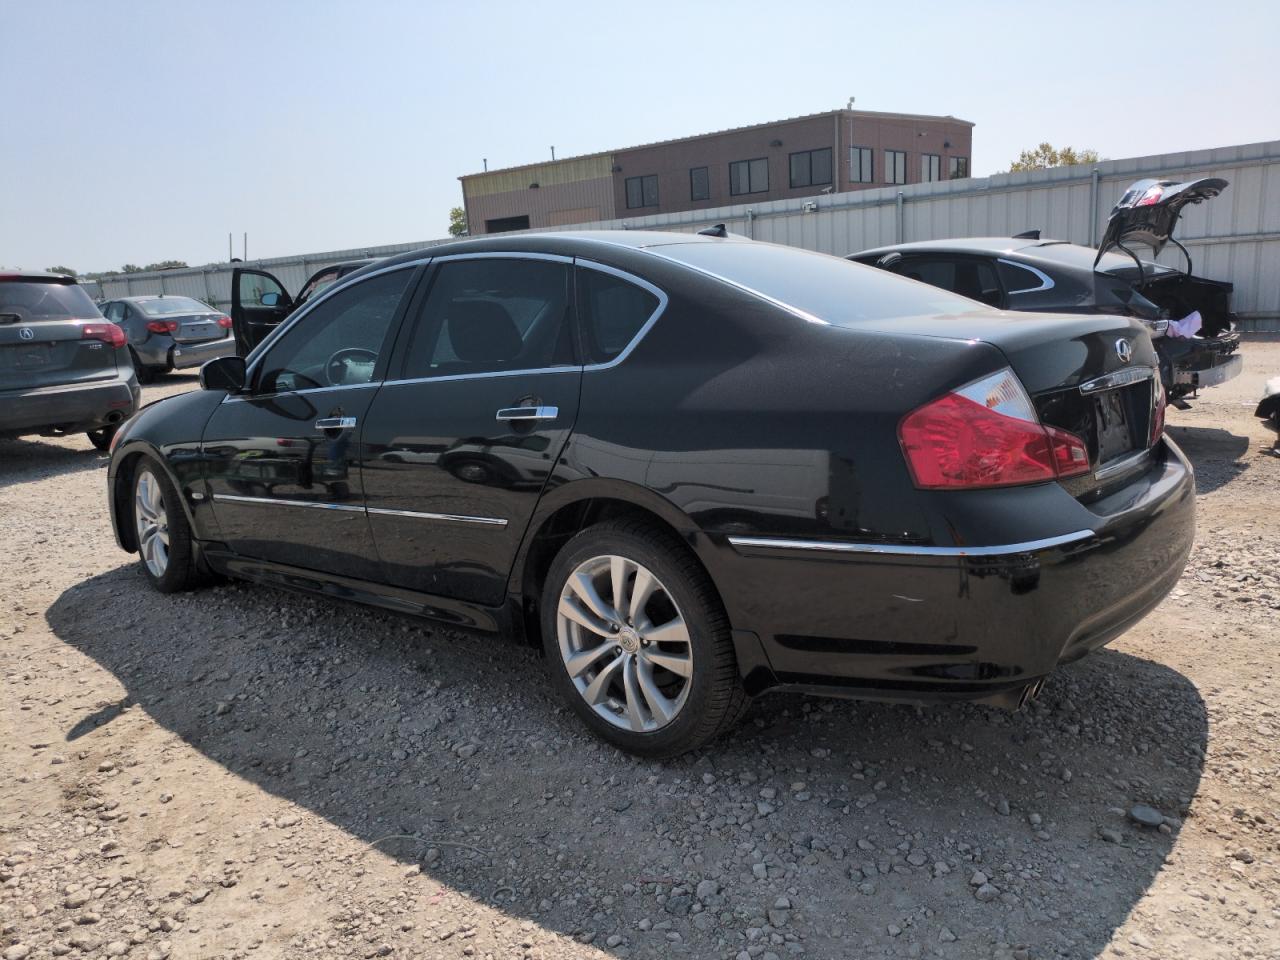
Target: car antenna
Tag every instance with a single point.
(1027, 235)
(717, 231)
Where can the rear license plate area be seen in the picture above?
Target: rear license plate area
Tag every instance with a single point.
(26, 356)
(1112, 417)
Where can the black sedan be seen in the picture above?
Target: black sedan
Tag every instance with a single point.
(725, 467)
(1189, 317)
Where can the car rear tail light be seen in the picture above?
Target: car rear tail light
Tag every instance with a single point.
(162, 326)
(106, 332)
(987, 434)
(1151, 197)
(1157, 417)
(224, 323)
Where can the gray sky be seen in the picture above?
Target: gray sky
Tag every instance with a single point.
(143, 131)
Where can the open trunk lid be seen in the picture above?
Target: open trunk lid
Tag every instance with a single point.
(1149, 211)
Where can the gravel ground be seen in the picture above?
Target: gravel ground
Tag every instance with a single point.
(240, 772)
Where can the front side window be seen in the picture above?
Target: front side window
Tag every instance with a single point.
(700, 183)
(930, 167)
(895, 166)
(958, 168)
(749, 176)
(338, 343)
(612, 312)
(492, 314)
(642, 191)
(811, 168)
(861, 165)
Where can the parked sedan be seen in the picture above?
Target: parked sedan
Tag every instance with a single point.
(743, 467)
(63, 368)
(170, 333)
(1190, 317)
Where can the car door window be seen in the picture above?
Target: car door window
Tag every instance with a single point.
(612, 312)
(491, 315)
(338, 343)
(319, 283)
(115, 312)
(971, 277)
(260, 290)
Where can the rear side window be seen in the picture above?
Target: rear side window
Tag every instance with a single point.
(613, 311)
(34, 300)
(490, 315)
(1018, 279)
(975, 279)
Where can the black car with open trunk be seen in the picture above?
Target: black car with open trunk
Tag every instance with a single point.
(692, 468)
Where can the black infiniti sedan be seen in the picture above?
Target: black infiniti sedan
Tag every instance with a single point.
(692, 468)
(1189, 317)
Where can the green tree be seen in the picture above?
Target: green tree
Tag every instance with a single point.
(457, 222)
(67, 271)
(1045, 156)
(131, 268)
(165, 265)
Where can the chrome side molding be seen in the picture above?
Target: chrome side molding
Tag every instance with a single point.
(352, 508)
(905, 550)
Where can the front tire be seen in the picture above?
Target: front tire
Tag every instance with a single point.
(638, 642)
(164, 537)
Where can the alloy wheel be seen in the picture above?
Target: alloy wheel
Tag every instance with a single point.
(624, 643)
(152, 522)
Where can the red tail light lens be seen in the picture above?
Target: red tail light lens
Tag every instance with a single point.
(1157, 418)
(987, 434)
(224, 323)
(1151, 197)
(106, 332)
(162, 326)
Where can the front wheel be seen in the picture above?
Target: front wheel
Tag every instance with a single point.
(164, 536)
(638, 643)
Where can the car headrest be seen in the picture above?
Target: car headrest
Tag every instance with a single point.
(482, 331)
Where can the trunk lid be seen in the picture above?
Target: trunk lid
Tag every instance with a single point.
(197, 328)
(42, 334)
(1148, 212)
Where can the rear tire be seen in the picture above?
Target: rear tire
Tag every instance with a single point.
(165, 547)
(102, 437)
(653, 691)
(145, 374)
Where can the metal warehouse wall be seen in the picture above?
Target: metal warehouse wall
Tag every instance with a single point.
(1235, 237)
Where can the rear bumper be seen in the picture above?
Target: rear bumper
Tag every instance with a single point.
(944, 623)
(1189, 363)
(1210, 377)
(194, 354)
(68, 408)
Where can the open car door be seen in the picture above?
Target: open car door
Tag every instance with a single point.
(258, 303)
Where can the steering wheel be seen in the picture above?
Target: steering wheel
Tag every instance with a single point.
(335, 368)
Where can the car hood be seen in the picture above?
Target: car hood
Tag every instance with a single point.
(1149, 210)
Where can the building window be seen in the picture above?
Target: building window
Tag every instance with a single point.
(699, 183)
(811, 168)
(861, 165)
(642, 191)
(930, 167)
(748, 176)
(895, 166)
(958, 168)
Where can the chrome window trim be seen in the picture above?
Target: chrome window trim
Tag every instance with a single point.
(452, 517)
(893, 549)
(793, 310)
(351, 508)
(643, 284)
(506, 255)
(238, 397)
(277, 502)
(344, 283)
(1118, 378)
(1046, 281)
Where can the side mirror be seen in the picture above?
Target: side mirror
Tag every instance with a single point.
(269, 299)
(223, 373)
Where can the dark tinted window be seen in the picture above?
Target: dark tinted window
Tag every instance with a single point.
(699, 183)
(969, 277)
(957, 168)
(811, 168)
(895, 166)
(642, 192)
(1018, 279)
(612, 310)
(488, 315)
(318, 283)
(749, 176)
(861, 165)
(827, 287)
(35, 300)
(340, 341)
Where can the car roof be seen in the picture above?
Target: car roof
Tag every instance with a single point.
(965, 245)
(157, 296)
(36, 275)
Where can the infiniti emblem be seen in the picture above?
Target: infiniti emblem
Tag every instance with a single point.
(26, 333)
(1123, 350)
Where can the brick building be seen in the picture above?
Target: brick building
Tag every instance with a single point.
(768, 161)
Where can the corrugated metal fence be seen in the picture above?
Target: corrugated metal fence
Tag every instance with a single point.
(1235, 237)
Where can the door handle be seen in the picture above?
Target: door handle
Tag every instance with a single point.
(528, 413)
(336, 423)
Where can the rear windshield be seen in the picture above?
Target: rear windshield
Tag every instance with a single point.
(829, 288)
(35, 299)
(167, 306)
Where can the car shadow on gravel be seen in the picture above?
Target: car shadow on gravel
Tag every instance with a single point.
(829, 827)
(25, 460)
(1217, 454)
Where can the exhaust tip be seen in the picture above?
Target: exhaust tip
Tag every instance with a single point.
(1030, 692)
(115, 416)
